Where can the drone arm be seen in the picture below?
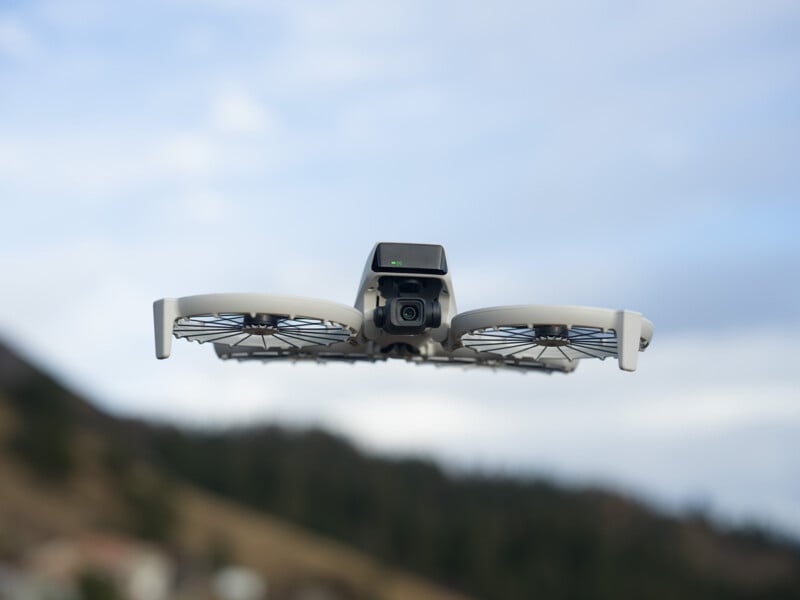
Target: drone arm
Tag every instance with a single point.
(335, 322)
(165, 311)
(629, 334)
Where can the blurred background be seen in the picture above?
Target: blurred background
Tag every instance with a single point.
(628, 155)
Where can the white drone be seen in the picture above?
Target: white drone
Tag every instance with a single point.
(405, 308)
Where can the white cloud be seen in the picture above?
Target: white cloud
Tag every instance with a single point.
(708, 409)
(237, 111)
(206, 206)
(91, 169)
(315, 67)
(16, 40)
(12, 161)
(188, 154)
(78, 15)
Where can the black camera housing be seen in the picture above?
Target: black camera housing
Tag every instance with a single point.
(412, 305)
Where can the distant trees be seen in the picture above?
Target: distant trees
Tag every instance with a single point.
(96, 585)
(490, 537)
(151, 512)
(44, 438)
(151, 509)
(44, 435)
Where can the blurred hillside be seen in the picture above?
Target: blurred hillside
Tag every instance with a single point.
(77, 482)
(317, 518)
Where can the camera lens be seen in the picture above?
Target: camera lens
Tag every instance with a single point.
(409, 313)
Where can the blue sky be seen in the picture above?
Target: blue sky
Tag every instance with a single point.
(625, 155)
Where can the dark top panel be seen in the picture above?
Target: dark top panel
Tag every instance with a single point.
(409, 258)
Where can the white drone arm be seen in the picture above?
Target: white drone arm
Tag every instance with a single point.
(545, 331)
(165, 313)
(261, 320)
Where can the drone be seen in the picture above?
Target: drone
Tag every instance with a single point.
(405, 309)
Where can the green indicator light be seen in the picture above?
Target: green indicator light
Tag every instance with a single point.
(398, 263)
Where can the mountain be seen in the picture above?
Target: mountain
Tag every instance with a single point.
(307, 501)
(70, 473)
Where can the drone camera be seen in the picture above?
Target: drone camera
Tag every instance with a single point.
(410, 313)
(411, 306)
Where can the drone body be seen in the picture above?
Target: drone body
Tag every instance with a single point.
(405, 308)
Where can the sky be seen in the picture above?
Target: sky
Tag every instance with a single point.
(629, 155)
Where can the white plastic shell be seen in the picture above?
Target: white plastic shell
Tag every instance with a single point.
(632, 332)
(168, 310)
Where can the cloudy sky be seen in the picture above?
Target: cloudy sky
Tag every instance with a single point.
(628, 155)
